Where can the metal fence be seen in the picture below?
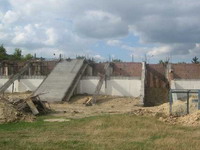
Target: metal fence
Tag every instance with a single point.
(188, 94)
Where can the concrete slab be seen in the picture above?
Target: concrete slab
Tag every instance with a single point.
(59, 81)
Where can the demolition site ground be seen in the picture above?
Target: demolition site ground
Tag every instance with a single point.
(112, 123)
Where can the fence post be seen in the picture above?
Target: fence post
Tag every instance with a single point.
(198, 99)
(170, 102)
(188, 103)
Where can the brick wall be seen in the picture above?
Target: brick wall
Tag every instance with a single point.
(41, 67)
(155, 76)
(127, 69)
(157, 86)
(186, 71)
(120, 69)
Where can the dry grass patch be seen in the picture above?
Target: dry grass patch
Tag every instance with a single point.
(101, 132)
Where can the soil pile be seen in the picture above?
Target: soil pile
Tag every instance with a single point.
(179, 115)
(191, 119)
(8, 113)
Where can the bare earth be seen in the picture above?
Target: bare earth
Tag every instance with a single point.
(76, 108)
(120, 105)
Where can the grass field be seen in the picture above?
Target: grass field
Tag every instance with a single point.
(123, 132)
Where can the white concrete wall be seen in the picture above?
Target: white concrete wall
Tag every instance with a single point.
(4, 80)
(184, 84)
(29, 84)
(117, 86)
(187, 84)
(23, 85)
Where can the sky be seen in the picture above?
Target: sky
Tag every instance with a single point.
(130, 30)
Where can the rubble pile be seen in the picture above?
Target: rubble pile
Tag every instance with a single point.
(8, 113)
(17, 109)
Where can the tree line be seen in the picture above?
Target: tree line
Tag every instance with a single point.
(195, 60)
(17, 54)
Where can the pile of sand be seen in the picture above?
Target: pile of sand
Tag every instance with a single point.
(179, 114)
(9, 114)
(191, 119)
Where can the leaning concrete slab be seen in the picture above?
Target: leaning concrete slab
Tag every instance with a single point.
(61, 80)
(143, 80)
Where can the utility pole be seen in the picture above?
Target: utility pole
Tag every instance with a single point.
(109, 58)
(132, 58)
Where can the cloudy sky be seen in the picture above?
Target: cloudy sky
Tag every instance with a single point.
(121, 29)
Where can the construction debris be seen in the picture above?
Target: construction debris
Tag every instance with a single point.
(88, 101)
(8, 113)
(12, 110)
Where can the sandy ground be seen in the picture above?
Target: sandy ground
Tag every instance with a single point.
(126, 105)
(76, 108)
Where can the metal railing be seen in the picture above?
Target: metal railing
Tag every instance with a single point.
(187, 92)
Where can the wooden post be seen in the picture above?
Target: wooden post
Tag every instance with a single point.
(13, 87)
(188, 103)
(199, 100)
(170, 102)
(32, 106)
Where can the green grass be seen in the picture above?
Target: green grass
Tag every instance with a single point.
(120, 132)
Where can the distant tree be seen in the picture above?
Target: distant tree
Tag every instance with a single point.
(91, 60)
(3, 53)
(17, 55)
(164, 62)
(80, 57)
(116, 60)
(28, 57)
(182, 62)
(195, 60)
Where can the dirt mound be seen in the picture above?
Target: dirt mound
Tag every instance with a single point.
(178, 116)
(191, 119)
(10, 114)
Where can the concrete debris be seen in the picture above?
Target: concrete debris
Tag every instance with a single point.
(8, 113)
(12, 110)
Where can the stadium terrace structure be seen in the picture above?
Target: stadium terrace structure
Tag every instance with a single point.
(58, 80)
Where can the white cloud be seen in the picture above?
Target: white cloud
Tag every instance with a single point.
(98, 24)
(52, 37)
(10, 17)
(99, 58)
(160, 50)
(23, 35)
(113, 42)
(74, 27)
